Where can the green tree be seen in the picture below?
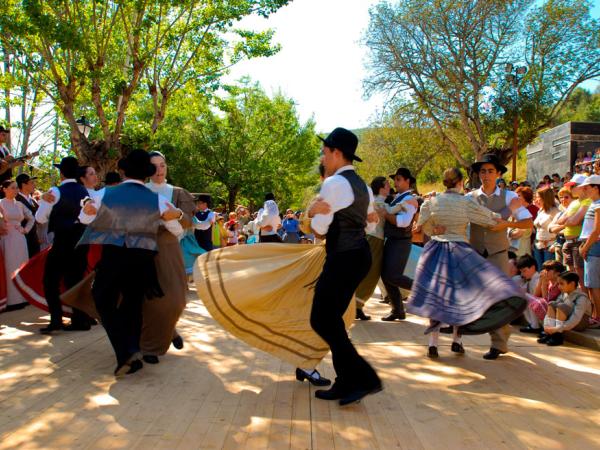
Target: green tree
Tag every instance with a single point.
(439, 57)
(244, 145)
(99, 54)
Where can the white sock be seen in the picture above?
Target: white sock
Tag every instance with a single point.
(312, 373)
(549, 322)
(455, 336)
(433, 338)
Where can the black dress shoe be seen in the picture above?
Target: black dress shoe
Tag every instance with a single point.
(93, 322)
(128, 367)
(177, 342)
(50, 328)
(360, 315)
(432, 352)
(530, 330)
(385, 300)
(493, 354)
(457, 347)
(555, 340)
(335, 393)
(358, 395)
(150, 359)
(314, 377)
(543, 339)
(394, 316)
(16, 307)
(77, 327)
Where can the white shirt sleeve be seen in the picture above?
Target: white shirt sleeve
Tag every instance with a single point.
(172, 225)
(370, 228)
(404, 218)
(337, 192)
(206, 223)
(520, 213)
(42, 215)
(97, 201)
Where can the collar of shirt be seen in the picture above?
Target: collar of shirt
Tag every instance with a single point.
(129, 180)
(342, 169)
(68, 180)
(495, 193)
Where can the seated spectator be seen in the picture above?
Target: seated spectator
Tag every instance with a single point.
(578, 160)
(528, 280)
(570, 311)
(545, 292)
(596, 156)
(567, 177)
(512, 265)
(556, 181)
(588, 157)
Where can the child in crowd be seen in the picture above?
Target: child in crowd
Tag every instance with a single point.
(571, 311)
(232, 228)
(546, 291)
(528, 280)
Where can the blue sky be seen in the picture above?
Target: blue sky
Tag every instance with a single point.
(321, 63)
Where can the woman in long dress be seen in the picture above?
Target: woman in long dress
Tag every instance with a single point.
(161, 315)
(453, 284)
(3, 230)
(14, 242)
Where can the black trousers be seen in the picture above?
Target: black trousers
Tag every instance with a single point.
(33, 244)
(395, 257)
(118, 293)
(269, 238)
(65, 264)
(341, 275)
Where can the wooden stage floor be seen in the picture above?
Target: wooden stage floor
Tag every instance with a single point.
(58, 392)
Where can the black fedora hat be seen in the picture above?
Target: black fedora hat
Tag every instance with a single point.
(202, 197)
(404, 173)
(344, 140)
(23, 178)
(489, 158)
(137, 165)
(68, 165)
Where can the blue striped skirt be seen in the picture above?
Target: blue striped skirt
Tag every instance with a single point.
(455, 285)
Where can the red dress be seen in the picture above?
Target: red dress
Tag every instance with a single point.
(29, 278)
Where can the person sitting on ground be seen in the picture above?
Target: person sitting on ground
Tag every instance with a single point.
(528, 280)
(570, 311)
(545, 292)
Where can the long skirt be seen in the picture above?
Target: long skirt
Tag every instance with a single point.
(14, 249)
(161, 314)
(263, 294)
(369, 283)
(456, 286)
(3, 284)
(190, 250)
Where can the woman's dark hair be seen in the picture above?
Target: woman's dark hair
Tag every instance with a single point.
(7, 183)
(377, 184)
(81, 172)
(553, 265)
(269, 196)
(570, 277)
(526, 261)
(452, 177)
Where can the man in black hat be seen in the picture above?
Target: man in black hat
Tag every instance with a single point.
(7, 161)
(398, 241)
(65, 262)
(347, 263)
(206, 219)
(493, 244)
(124, 219)
(26, 186)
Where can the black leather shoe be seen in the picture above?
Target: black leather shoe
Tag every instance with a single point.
(544, 338)
(358, 395)
(177, 342)
(318, 380)
(530, 330)
(16, 307)
(555, 340)
(51, 328)
(128, 367)
(77, 327)
(457, 347)
(385, 300)
(360, 315)
(335, 393)
(493, 354)
(432, 352)
(394, 316)
(150, 359)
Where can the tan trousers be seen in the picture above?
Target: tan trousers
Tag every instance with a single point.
(500, 336)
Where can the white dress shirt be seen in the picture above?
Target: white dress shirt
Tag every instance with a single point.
(521, 213)
(405, 217)
(206, 223)
(267, 216)
(43, 213)
(337, 192)
(163, 205)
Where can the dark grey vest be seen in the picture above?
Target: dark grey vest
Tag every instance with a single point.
(482, 239)
(128, 217)
(64, 217)
(347, 230)
(392, 231)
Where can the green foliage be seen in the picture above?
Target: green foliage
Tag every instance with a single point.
(240, 147)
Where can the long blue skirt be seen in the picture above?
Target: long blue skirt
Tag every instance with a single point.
(191, 250)
(455, 285)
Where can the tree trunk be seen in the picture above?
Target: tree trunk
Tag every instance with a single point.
(232, 195)
(7, 91)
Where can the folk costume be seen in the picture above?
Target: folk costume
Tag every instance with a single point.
(161, 315)
(493, 245)
(268, 216)
(64, 263)
(126, 224)
(204, 223)
(453, 283)
(33, 242)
